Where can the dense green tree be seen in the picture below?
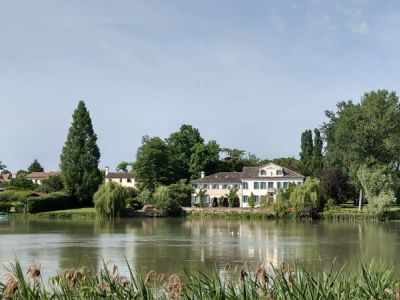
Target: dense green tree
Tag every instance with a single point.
(110, 200)
(52, 184)
(21, 183)
(234, 160)
(124, 166)
(335, 185)
(205, 158)
(2, 166)
(182, 192)
(21, 172)
(35, 167)
(180, 146)
(80, 157)
(152, 164)
(307, 151)
(318, 159)
(363, 133)
(166, 202)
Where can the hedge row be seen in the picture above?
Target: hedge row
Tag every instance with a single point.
(51, 202)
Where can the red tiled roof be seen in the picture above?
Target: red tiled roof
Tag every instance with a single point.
(120, 175)
(42, 175)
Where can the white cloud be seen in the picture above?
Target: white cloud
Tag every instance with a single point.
(359, 28)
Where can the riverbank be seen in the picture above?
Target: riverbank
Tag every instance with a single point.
(348, 212)
(228, 213)
(370, 281)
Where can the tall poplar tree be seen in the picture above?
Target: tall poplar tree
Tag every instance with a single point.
(306, 154)
(317, 152)
(80, 157)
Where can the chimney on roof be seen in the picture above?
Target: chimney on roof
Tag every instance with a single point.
(107, 170)
(203, 174)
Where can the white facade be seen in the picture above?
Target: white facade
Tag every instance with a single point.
(122, 178)
(263, 181)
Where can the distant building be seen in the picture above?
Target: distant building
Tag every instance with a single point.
(124, 179)
(261, 181)
(38, 177)
(5, 178)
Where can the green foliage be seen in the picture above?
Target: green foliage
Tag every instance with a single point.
(50, 202)
(134, 203)
(166, 202)
(202, 194)
(21, 183)
(378, 183)
(180, 146)
(330, 204)
(205, 157)
(2, 166)
(14, 196)
(335, 185)
(306, 198)
(364, 133)
(368, 281)
(80, 157)
(152, 164)
(251, 200)
(182, 192)
(110, 200)
(35, 167)
(52, 184)
(19, 207)
(145, 197)
(5, 207)
(232, 197)
(123, 166)
(311, 157)
(306, 153)
(266, 201)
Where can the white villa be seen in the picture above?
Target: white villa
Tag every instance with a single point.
(125, 179)
(38, 177)
(261, 181)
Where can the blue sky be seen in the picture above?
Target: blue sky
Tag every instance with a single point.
(250, 74)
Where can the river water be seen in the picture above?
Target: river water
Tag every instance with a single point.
(169, 245)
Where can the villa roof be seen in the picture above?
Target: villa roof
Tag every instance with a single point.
(221, 177)
(42, 175)
(253, 173)
(120, 175)
(6, 177)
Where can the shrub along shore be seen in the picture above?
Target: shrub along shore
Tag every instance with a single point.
(370, 281)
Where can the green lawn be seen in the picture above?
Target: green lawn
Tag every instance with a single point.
(79, 213)
(349, 211)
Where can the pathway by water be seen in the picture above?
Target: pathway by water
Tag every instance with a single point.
(167, 245)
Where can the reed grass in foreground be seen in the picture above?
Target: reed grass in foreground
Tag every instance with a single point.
(370, 281)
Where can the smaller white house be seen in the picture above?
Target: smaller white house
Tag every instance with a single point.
(262, 181)
(38, 177)
(124, 179)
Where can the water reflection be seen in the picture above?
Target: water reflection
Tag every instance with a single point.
(168, 245)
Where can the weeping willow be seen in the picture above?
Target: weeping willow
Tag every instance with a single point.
(110, 199)
(305, 198)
